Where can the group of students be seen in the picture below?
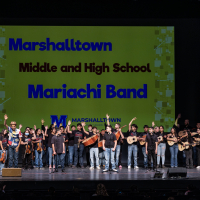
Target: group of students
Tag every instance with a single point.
(61, 143)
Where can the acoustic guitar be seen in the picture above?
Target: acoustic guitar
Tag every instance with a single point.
(160, 139)
(186, 145)
(141, 141)
(171, 143)
(131, 139)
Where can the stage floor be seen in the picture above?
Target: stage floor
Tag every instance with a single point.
(95, 175)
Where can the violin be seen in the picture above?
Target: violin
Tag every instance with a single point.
(28, 149)
(39, 148)
(3, 157)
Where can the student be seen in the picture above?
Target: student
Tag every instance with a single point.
(151, 148)
(65, 137)
(71, 145)
(14, 141)
(94, 151)
(132, 148)
(50, 150)
(58, 146)
(78, 146)
(26, 144)
(3, 146)
(87, 149)
(161, 147)
(172, 136)
(109, 146)
(142, 138)
(197, 139)
(38, 142)
(101, 151)
(117, 150)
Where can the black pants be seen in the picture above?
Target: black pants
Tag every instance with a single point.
(198, 155)
(188, 154)
(151, 153)
(26, 161)
(120, 155)
(87, 151)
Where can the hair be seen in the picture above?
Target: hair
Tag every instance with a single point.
(156, 127)
(27, 127)
(90, 125)
(161, 126)
(109, 126)
(174, 131)
(101, 190)
(37, 130)
(94, 127)
(52, 128)
(62, 127)
(2, 132)
(134, 125)
(151, 127)
(146, 126)
(118, 124)
(79, 124)
(73, 126)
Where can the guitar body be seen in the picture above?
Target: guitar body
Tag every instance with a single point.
(187, 145)
(170, 143)
(131, 139)
(143, 142)
(160, 138)
(181, 147)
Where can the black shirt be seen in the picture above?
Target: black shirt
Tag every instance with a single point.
(141, 135)
(70, 139)
(151, 140)
(50, 135)
(65, 137)
(88, 135)
(109, 140)
(183, 127)
(164, 139)
(95, 145)
(4, 140)
(131, 133)
(58, 143)
(78, 134)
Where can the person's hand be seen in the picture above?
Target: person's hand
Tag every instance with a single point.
(107, 116)
(184, 145)
(42, 121)
(34, 127)
(17, 149)
(46, 127)
(63, 152)
(104, 148)
(165, 136)
(147, 152)
(113, 149)
(179, 115)
(4, 187)
(54, 153)
(7, 144)
(42, 132)
(20, 126)
(153, 124)
(155, 151)
(60, 124)
(98, 131)
(5, 117)
(54, 124)
(69, 123)
(83, 123)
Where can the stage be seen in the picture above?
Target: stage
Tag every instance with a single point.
(85, 178)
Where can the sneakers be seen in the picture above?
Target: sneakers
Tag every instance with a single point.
(136, 167)
(59, 166)
(198, 167)
(129, 167)
(98, 168)
(73, 166)
(105, 170)
(114, 170)
(120, 166)
(41, 168)
(91, 167)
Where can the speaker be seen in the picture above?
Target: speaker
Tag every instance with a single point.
(12, 172)
(177, 172)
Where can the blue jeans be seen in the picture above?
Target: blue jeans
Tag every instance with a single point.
(59, 157)
(71, 154)
(109, 153)
(94, 152)
(66, 159)
(145, 157)
(50, 152)
(38, 159)
(78, 152)
(132, 149)
(101, 157)
(174, 152)
(13, 155)
(161, 152)
(117, 152)
(2, 165)
(194, 153)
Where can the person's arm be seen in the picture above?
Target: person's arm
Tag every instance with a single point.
(5, 120)
(17, 148)
(152, 124)
(1, 145)
(104, 145)
(176, 122)
(129, 127)
(146, 145)
(107, 117)
(156, 147)
(43, 135)
(83, 125)
(53, 147)
(63, 147)
(122, 135)
(35, 127)
(42, 125)
(68, 127)
(114, 145)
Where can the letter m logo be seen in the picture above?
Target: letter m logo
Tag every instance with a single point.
(54, 118)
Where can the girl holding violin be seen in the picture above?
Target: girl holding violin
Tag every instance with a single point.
(38, 147)
(3, 148)
(27, 149)
(172, 136)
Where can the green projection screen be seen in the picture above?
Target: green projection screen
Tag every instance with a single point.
(84, 72)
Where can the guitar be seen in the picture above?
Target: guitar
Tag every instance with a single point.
(160, 139)
(171, 143)
(186, 145)
(131, 139)
(117, 134)
(141, 141)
